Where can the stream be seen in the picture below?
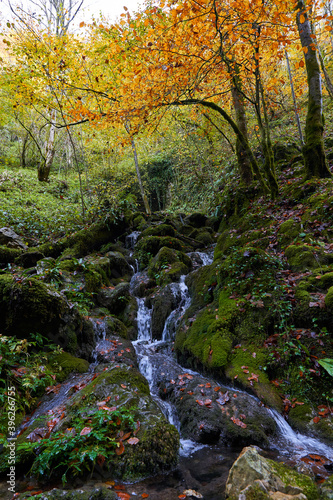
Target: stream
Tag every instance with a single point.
(203, 469)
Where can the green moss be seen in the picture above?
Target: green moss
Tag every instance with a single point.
(300, 416)
(217, 354)
(304, 257)
(68, 364)
(292, 478)
(168, 265)
(253, 492)
(254, 359)
(329, 299)
(204, 237)
(8, 255)
(288, 232)
(159, 230)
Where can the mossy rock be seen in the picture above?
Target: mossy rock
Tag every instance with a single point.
(159, 230)
(149, 246)
(196, 219)
(329, 298)
(168, 265)
(29, 259)
(129, 318)
(32, 306)
(68, 364)
(252, 471)
(288, 232)
(201, 285)
(254, 361)
(301, 418)
(114, 299)
(8, 255)
(205, 237)
(119, 267)
(304, 257)
(304, 314)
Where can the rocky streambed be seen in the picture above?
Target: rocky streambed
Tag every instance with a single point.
(181, 426)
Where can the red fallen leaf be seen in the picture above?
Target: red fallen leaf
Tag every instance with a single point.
(181, 496)
(208, 402)
(120, 449)
(238, 422)
(223, 398)
(85, 431)
(244, 367)
(37, 434)
(217, 388)
(208, 385)
(254, 377)
(133, 440)
(123, 386)
(235, 395)
(246, 371)
(123, 496)
(202, 392)
(172, 382)
(182, 382)
(242, 416)
(316, 420)
(126, 436)
(190, 393)
(33, 493)
(201, 403)
(236, 376)
(190, 377)
(100, 460)
(275, 382)
(101, 403)
(201, 426)
(127, 349)
(94, 376)
(119, 354)
(200, 385)
(144, 495)
(254, 355)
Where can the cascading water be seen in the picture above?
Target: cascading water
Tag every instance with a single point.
(155, 355)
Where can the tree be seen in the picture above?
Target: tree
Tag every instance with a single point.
(54, 17)
(313, 150)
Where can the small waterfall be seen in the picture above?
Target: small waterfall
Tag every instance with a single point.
(144, 320)
(301, 445)
(173, 319)
(131, 239)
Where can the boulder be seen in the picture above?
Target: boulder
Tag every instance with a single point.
(114, 299)
(29, 305)
(253, 476)
(11, 239)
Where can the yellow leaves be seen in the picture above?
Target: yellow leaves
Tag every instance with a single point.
(301, 18)
(305, 50)
(82, 24)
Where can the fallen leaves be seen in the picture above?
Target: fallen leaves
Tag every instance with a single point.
(238, 422)
(223, 398)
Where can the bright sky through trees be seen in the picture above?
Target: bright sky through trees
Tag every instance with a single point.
(91, 8)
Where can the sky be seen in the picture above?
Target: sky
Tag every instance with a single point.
(110, 8)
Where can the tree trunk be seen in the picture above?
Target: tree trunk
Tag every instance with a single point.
(294, 101)
(242, 156)
(45, 167)
(143, 194)
(313, 150)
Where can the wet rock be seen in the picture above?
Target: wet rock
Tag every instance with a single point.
(253, 476)
(98, 493)
(141, 284)
(114, 299)
(154, 444)
(118, 265)
(9, 238)
(163, 302)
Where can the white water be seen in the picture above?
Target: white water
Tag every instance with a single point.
(300, 444)
(289, 442)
